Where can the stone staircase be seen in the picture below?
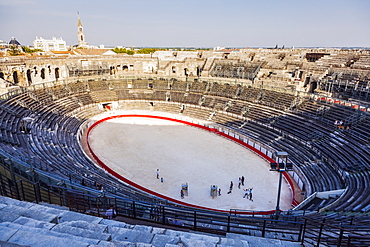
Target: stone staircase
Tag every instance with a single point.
(28, 224)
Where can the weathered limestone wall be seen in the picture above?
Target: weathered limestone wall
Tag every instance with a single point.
(283, 67)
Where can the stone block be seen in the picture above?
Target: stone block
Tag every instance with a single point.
(6, 233)
(158, 230)
(44, 231)
(49, 210)
(86, 225)
(63, 228)
(259, 241)
(193, 236)
(188, 242)
(10, 201)
(73, 216)
(47, 205)
(40, 240)
(7, 244)
(162, 240)
(225, 242)
(114, 223)
(129, 235)
(2, 205)
(11, 213)
(39, 214)
(143, 228)
(33, 223)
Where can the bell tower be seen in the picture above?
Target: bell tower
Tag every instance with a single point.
(80, 33)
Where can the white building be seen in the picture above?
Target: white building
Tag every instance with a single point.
(54, 44)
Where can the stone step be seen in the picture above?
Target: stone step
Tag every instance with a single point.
(6, 233)
(259, 241)
(123, 234)
(33, 223)
(87, 226)
(226, 242)
(11, 201)
(121, 244)
(54, 206)
(80, 232)
(22, 223)
(193, 236)
(45, 232)
(162, 240)
(30, 238)
(7, 244)
(12, 212)
(74, 216)
(25, 236)
(115, 223)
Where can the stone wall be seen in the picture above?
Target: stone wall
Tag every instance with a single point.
(283, 67)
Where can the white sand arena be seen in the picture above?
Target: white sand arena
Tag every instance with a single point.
(137, 147)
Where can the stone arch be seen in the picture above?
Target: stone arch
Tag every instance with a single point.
(56, 72)
(112, 70)
(29, 78)
(42, 75)
(15, 77)
(124, 67)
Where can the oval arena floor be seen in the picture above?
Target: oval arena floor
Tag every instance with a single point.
(135, 147)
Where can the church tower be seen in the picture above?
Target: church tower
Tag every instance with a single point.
(80, 33)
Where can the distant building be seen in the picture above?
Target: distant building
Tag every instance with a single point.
(218, 48)
(13, 41)
(3, 46)
(54, 44)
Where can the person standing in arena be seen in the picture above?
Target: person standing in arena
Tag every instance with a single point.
(231, 187)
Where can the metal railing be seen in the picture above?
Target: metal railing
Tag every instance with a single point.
(297, 229)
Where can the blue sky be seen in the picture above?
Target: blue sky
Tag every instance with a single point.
(191, 23)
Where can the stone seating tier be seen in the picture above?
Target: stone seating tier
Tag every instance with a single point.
(44, 225)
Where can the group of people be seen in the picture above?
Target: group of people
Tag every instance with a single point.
(338, 124)
(157, 173)
(248, 192)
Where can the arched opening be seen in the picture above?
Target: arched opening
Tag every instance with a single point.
(111, 71)
(15, 77)
(124, 67)
(2, 75)
(29, 78)
(313, 86)
(199, 71)
(56, 72)
(42, 73)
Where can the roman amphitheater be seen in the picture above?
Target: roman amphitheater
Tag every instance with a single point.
(304, 113)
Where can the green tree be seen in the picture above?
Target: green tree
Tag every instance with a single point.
(146, 50)
(14, 50)
(123, 50)
(29, 50)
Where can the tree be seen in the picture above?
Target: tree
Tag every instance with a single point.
(146, 50)
(123, 50)
(14, 50)
(29, 50)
